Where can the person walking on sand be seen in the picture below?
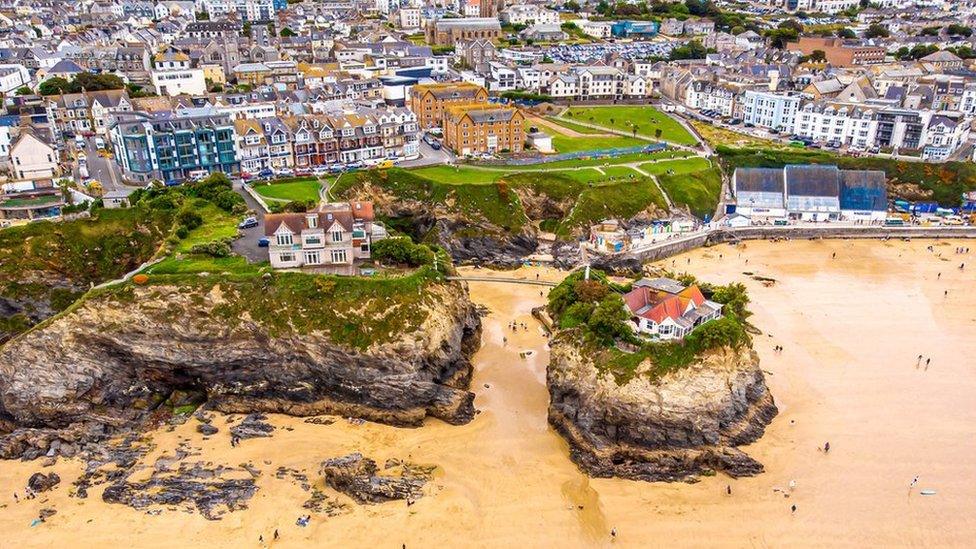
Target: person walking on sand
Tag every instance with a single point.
(793, 509)
(276, 534)
(613, 533)
(792, 485)
(914, 482)
(827, 448)
(728, 489)
(927, 361)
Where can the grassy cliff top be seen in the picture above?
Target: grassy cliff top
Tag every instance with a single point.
(354, 312)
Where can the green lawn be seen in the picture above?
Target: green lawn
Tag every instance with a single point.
(299, 190)
(217, 225)
(646, 119)
(572, 125)
(565, 144)
(687, 165)
(698, 190)
(461, 175)
(613, 200)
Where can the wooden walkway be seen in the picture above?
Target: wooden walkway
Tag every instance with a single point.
(503, 280)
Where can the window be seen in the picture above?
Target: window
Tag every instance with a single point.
(284, 240)
(313, 258)
(339, 256)
(337, 236)
(286, 257)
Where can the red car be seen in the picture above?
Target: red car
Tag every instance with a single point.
(247, 175)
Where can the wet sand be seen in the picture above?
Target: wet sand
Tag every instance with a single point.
(851, 327)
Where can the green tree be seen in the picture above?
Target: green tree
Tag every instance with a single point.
(53, 86)
(846, 33)
(607, 322)
(286, 32)
(818, 56)
(24, 90)
(876, 30)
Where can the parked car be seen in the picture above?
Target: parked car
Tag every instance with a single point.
(303, 172)
(320, 170)
(263, 242)
(286, 172)
(248, 223)
(247, 175)
(266, 174)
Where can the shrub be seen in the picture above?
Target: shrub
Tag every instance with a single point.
(402, 251)
(189, 219)
(219, 248)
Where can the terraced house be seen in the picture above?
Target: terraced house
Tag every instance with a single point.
(169, 146)
(76, 113)
(336, 234)
(484, 128)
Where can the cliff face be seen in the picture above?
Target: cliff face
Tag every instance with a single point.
(120, 355)
(683, 425)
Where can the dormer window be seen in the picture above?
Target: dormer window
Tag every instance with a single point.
(284, 239)
(313, 221)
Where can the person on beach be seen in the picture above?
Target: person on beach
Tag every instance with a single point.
(914, 482)
(276, 534)
(919, 361)
(927, 361)
(793, 509)
(613, 533)
(792, 485)
(728, 489)
(827, 448)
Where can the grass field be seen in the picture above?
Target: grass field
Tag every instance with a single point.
(645, 119)
(698, 190)
(217, 225)
(298, 190)
(573, 126)
(687, 165)
(721, 136)
(566, 144)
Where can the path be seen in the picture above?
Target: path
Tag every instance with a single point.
(667, 198)
(563, 130)
(503, 280)
(638, 136)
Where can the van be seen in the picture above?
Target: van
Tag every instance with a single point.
(99, 143)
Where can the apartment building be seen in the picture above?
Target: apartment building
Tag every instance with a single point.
(246, 10)
(172, 75)
(75, 113)
(428, 101)
(837, 124)
(483, 128)
(840, 53)
(168, 146)
(704, 95)
(776, 111)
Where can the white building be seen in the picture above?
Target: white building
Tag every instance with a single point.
(172, 75)
(409, 18)
(336, 234)
(710, 96)
(838, 124)
(775, 111)
(247, 10)
(943, 136)
(32, 157)
(528, 15)
(13, 77)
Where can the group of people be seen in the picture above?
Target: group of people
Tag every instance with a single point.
(303, 520)
(777, 349)
(918, 362)
(961, 250)
(28, 494)
(235, 440)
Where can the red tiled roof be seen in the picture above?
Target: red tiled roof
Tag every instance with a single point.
(659, 305)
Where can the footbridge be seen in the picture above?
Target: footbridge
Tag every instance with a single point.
(503, 280)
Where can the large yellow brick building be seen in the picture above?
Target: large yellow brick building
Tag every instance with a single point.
(483, 128)
(428, 101)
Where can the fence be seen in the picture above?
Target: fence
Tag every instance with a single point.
(603, 153)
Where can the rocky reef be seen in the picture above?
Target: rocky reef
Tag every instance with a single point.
(676, 427)
(361, 478)
(396, 352)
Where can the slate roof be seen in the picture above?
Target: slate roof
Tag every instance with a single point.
(759, 180)
(812, 180)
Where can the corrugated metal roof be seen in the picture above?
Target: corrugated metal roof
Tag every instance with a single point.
(759, 180)
(863, 190)
(812, 180)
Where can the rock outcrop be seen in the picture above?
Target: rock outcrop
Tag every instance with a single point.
(120, 356)
(682, 425)
(361, 479)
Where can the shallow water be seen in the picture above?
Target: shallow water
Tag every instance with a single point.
(851, 327)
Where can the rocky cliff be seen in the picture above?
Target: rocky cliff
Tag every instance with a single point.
(684, 424)
(295, 344)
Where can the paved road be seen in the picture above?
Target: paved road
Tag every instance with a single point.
(104, 170)
(429, 157)
(247, 244)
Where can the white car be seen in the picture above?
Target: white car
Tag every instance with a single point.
(285, 172)
(320, 170)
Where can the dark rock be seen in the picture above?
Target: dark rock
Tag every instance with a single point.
(359, 478)
(252, 426)
(103, 367)
(39, 482)
(206, 429)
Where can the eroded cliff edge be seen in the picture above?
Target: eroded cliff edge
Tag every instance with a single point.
(388, 351)
(684, 424)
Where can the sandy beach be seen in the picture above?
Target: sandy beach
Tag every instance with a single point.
(851, 328)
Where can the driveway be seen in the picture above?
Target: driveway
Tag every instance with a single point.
(247, 245)
(104, 170)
